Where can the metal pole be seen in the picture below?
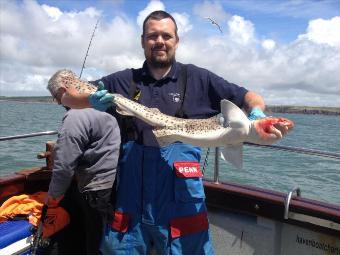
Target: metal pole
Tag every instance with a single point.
(5, 138)
(287, 201)
(217, 165)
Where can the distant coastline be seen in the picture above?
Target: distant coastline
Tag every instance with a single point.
(303, 109)
(41, 99)
(270, 108)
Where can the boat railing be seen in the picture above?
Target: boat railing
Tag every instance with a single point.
(216, 168)
(217, 165)
(288, 199)
(13, 137)
(320, 153)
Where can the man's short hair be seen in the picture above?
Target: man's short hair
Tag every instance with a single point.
(159, 15)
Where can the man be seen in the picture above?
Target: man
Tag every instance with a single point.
(88, 147)
(156, 204)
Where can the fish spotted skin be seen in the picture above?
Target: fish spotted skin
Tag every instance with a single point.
(229, 130)
(200, 132)
(66, 78)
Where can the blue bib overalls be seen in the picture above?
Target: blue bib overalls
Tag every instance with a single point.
(160, 203)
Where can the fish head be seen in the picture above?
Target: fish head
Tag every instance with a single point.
(67, 80)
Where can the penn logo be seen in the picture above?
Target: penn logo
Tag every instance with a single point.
(188, 169)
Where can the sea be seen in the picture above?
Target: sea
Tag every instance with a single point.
(317, 177)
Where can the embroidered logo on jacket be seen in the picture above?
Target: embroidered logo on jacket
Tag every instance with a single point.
(176, 97)
(187, 169)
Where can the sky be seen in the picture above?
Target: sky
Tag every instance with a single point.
(287, 51)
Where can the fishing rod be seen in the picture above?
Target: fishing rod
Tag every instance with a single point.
(6, 138)
(88, 48)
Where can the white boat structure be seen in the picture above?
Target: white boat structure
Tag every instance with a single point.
(244, 220)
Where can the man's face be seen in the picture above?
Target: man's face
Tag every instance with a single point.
(159, 42)
(59, 95)
(60, 92)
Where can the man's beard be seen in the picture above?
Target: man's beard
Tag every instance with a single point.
(160, 63)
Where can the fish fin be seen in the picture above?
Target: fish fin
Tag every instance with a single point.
(233, 116)
(233, 154)
(222, 156)
(235, 121)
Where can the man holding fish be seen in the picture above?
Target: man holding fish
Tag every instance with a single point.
(160, 203)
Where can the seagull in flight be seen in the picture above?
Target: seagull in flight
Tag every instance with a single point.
(214, 23)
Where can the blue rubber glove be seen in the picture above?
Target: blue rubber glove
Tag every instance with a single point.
(256, 113)
(101, 100)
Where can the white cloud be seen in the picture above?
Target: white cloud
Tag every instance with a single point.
(241, 31)
(154, 5)
(268, 44)
(303, 72)
(52, 12)
(183, 23)
(323, 31)
(37, 40)
(214, 10)
(182, 19)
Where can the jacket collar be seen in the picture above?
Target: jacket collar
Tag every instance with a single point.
(172, 75)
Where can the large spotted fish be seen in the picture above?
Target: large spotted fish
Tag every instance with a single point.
(229, 130)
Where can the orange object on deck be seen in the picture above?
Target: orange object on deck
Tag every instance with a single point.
(30, 206)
